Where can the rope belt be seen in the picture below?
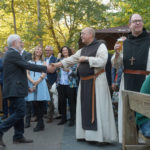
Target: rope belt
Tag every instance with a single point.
(138, 72)
(93, 88)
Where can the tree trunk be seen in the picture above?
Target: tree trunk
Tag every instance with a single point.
(51, 25)
(39, 23)
(14, 17)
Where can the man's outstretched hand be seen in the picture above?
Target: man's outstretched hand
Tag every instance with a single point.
(51, 69)
(57, 65)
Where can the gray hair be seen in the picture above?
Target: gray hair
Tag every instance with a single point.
(48, 46)
(91, 30)
(12, 38)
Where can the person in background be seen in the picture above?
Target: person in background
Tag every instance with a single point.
(5, 48)
(63, 84)
(51, 79)
(72, 50)
(108, 73)
(143, 122)
(72, 93)
(25, 55)
(116, 82)
(5, 107)
(38, 90)
(117, 72)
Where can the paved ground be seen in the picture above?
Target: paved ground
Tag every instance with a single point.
(54, 138)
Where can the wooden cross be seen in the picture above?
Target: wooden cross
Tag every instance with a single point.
(132, 59)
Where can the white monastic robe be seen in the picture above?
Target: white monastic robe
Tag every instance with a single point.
(106, 128)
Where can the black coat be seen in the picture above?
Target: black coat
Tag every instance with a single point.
(15, 78)
(26, 55)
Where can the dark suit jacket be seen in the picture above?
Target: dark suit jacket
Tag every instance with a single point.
(1, 71)
(15, 78)
(52, 76)
(26, 55)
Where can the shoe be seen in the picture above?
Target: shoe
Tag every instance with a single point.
(27, 125)
(22, 140)
(38, 128)
(71, 123)
(58, 117)
(62, 122)
(2, 144)
(49, 120)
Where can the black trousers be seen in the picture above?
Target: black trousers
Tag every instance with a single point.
(39, 110)
(62, 100)
(72, 96)
(64, 93)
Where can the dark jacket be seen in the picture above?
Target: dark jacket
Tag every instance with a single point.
(1, 71)
(52, 76)
(15, 78)
(26, 55)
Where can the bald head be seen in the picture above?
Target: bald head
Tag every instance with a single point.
(136, 24)
(134, 15)
(87, 35)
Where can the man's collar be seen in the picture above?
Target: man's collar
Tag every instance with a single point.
(94, 40)
(49, 57)
(21, 52)
(15, 49)
(143, 33)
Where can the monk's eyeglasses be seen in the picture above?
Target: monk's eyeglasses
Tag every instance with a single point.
(136, 21)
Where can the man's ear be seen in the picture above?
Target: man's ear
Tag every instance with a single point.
(14, 43)
(129, 26)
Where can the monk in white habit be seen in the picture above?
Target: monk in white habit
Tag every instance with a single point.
(94, 113)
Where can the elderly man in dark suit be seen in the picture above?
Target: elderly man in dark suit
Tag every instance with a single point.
(16, 88)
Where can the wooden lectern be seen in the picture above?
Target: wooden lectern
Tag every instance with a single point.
(133, 102)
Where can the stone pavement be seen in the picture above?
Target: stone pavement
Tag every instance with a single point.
(54, 137)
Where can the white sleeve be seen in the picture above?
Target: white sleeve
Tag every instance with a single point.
(71, 60)
(101, 57)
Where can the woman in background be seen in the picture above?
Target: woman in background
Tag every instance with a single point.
(63, 84)
(38, 90)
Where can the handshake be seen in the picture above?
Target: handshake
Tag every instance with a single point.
(52, 67)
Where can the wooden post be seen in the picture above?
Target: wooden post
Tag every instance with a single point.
(137, 147)
(129, 123)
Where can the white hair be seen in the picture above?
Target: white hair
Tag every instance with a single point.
(11, 38)
(48, 46)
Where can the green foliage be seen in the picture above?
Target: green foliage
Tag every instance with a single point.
(128, 7)
(77, 14)
(60, 24)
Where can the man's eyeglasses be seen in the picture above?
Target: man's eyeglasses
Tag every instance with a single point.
(136, 21)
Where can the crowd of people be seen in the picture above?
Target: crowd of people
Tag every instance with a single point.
(81, 81)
